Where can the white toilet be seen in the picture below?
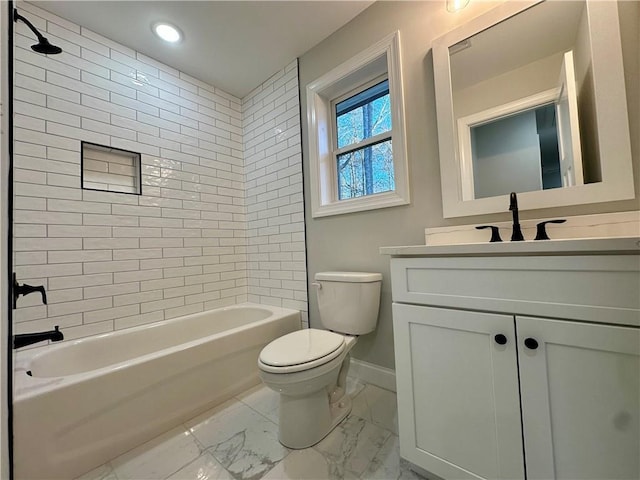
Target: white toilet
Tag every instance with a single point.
(309, 367)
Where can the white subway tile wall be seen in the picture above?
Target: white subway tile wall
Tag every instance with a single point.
(220, 218)
(275, 205)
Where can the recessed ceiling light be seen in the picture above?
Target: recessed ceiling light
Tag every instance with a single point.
(167, 32)
(456, 5)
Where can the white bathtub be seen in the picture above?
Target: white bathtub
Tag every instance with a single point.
(90, 400)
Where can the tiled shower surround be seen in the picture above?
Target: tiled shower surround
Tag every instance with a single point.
(220, 217)
(274, 201)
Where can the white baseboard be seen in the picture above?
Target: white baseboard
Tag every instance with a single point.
(374, 374)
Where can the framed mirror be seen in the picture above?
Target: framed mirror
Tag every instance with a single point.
(531, 98)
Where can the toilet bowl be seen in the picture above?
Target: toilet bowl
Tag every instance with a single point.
(308, 368)
(312, 399)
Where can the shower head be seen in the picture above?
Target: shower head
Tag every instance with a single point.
(43, 45)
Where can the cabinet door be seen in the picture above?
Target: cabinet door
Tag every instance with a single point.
(458, 405)
(580, 399)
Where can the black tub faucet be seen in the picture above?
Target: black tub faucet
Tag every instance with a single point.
(516, 234)
(25, 289)
(24, 339)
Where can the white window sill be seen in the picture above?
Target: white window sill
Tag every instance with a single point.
(370, 202)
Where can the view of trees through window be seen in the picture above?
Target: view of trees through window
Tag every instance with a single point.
(364, 122)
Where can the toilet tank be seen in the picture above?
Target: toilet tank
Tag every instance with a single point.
(348, 301)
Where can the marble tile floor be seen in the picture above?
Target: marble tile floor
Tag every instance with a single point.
(238, 440)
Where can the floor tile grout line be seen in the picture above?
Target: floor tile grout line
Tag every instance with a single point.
(113, 470)
(258, 412)
(202, 452)
(188, 463)
(207, 450)
(201, 447)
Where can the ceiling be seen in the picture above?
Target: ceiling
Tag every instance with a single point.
(233, 45)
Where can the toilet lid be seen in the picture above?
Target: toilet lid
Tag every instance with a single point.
(302, 347)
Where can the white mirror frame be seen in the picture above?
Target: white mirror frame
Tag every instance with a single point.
(613, 121)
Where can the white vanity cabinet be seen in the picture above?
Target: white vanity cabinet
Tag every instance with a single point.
(523, 366)
(580, 394)
(458, 400)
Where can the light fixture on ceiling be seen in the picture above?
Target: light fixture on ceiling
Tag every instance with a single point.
(456, 5)
(167, 32)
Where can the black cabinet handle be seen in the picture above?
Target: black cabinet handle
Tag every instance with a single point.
(500, 339)
(531, 343)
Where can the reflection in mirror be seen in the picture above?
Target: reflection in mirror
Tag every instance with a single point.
(515, 136)
(525, 99)
(517, 153)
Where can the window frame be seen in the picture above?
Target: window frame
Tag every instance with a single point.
(380, 61)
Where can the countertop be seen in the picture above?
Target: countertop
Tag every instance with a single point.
(583, 246)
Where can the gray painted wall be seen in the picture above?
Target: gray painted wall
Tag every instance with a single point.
(351, 241)
(508, 87)
(506, 156)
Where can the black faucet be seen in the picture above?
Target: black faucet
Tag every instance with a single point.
(495, 232)
(516, 234)
(24, 339)
(25, 289)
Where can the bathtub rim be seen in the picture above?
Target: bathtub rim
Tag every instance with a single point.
(26, 386)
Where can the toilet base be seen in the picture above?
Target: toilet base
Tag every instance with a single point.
(300, 430)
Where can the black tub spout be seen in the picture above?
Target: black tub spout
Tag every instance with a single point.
(24, 339)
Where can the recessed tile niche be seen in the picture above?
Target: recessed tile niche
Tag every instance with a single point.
(110, 169)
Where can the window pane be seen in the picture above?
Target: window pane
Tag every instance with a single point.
(366, 171)
(364, 115)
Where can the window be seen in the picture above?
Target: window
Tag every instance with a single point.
(356, 134)
(364, 155)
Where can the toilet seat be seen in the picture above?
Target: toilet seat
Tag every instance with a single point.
(301, 350)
